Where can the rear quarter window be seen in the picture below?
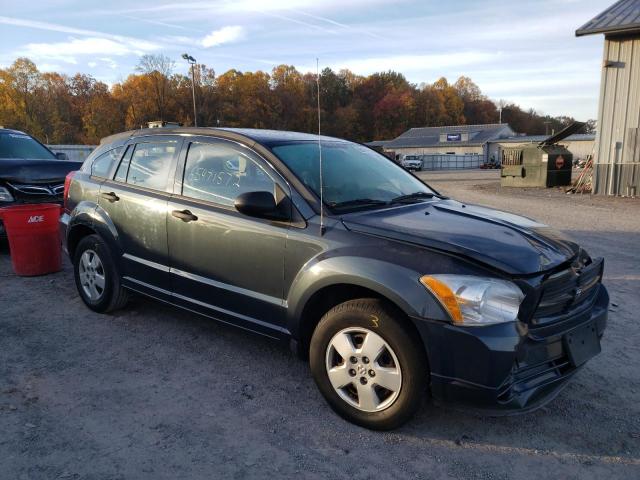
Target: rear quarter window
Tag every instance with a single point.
(101, 166)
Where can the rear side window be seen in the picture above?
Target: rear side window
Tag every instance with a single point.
(101, 166)
(148, 166)
(123, 168)
(219, 172)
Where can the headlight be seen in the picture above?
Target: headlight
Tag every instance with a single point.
(475, 300)
(5, 195)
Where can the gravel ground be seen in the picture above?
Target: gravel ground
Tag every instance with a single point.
(153, 392)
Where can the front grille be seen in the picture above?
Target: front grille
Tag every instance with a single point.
(37, 193)
(37, 189)
(568, 290)
(566, 300)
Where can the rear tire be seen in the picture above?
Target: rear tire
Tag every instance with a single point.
(368, 366)
(97, 277)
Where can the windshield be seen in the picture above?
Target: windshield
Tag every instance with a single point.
(18, 145)
(354, 176)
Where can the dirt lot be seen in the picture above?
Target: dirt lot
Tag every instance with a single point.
(155, 393)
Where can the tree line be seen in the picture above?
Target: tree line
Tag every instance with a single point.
(78, 109)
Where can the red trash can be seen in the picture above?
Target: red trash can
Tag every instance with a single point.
(34, 239)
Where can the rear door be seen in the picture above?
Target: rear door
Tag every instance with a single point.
(136, 200)
(224, 263)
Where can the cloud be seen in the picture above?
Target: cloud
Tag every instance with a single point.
(223, 35)
(410, 63)
(92, 64)
(69, 50)
(338, 24)
(154, 22)
(272, 8)
(49, 67)
(240, 6)
(53, 27)
(110, 62)
(215, 38)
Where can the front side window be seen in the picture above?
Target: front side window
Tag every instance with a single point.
(219, 172)
(150, 164)
(102, 164)
(19, 145)
(354, 176)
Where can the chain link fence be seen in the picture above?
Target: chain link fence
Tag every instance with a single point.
(451, 162)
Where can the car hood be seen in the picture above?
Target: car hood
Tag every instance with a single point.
(513, 244)
(21, 170)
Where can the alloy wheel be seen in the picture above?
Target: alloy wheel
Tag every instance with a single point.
(363, 369)
(92, 275)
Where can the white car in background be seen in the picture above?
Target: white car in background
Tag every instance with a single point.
(412, 162)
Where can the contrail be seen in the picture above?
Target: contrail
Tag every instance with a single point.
(338, 24)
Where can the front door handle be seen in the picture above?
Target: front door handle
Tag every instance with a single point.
(184, 215)
(112, 197)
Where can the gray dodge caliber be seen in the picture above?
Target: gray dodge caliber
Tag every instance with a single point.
(391, 290)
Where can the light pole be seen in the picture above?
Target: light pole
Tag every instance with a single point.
(192, 62)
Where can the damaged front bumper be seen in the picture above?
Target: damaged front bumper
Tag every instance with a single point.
(513, 367)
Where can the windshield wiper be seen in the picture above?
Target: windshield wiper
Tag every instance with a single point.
(414, 196)
(358, 202)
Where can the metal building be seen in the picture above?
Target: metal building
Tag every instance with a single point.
(617, 150)
(455, 146)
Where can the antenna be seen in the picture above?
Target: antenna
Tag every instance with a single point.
(322, 228)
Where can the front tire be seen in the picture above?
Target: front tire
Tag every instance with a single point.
(97, 277)
(367, 365)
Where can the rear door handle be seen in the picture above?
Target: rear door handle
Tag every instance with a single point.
(184, 215)
(112, 197)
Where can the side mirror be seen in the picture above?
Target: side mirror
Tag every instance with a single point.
(258, 204)
(61, 156)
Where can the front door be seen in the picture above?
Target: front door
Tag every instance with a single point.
(224, 263)
(135, 201)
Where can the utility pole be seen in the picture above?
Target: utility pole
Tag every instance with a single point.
(192, 61)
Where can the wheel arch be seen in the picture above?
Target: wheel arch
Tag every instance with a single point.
(75, 235)
(326, 282)
(89, 219)
(330, 296)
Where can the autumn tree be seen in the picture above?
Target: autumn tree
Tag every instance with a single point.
(61, 121)
(58, 108)
(467, 90)
(158, 69)
(23, 81)
(290, 96)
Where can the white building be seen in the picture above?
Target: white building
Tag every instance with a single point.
(459, 140)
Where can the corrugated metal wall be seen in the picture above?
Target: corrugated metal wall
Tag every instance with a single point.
(74, 152)
(617, 169)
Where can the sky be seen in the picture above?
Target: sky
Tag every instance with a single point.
(518, 51)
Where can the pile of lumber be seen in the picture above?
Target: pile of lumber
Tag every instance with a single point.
(583, 183)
